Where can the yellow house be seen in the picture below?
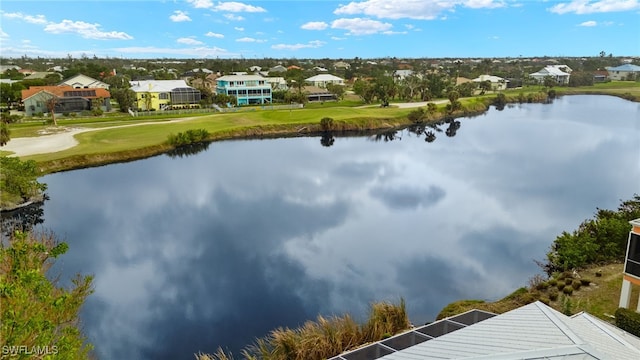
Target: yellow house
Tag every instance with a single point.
(164, 94)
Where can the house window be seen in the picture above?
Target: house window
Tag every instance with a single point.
(163, 96)
(632, 265)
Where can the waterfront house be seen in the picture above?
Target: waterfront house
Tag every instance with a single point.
(531, 332)
(164, 94)
(497, 83)
(247, 89)
(321, 80)
(65, 99)
(624, 72)
(554, 72)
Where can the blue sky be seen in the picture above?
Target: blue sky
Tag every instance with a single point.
(319, 29)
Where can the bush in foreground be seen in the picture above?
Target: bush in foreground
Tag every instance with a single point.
(38, 316)
(628, 320)
(325, 337)
(598, 240)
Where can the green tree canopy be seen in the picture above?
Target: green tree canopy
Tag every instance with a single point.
(18, 181)
(603, 238)
(36, 312)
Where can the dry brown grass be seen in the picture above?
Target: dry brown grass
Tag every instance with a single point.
(325, 337)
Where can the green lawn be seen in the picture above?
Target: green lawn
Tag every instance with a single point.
(111, 138)
(221, 125)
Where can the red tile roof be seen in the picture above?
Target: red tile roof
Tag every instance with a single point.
(59, 91)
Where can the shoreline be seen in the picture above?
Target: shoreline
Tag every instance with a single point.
(347, 127)
(255, 132)
(33, 201)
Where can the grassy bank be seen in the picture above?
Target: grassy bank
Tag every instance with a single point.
(599, 297)
(583, 269)
(123, 138)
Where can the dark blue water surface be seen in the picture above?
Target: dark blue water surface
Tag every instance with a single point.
(220, 247)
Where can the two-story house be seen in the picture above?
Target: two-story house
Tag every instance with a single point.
(165, 94)
(247, 89)
(84, 82)
(624, 72)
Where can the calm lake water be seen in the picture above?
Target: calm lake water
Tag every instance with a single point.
(220, 247)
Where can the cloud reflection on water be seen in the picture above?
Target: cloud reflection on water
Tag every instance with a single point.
(219, 247)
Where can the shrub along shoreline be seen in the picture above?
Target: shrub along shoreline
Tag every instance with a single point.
(252, 127)
(583, 269)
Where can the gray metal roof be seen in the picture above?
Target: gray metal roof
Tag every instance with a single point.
(534, 331)
(625, 67)
(415, 336)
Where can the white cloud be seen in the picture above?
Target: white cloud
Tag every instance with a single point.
(394, 32)
(338, 38)
(201, 4)
(86, 30)
(3, 34)
(186, 52)
(310, 44)
(483, 4)
(248, 39)
(595, 6)
(215, 35)
(411, 9)
(358, 26)
(315, 25)
(233, 6)
(38, 19)
(189, 41)
(228, 6)
(179, 16)
(233, 17)
(238, 28)
(588, 23)
(33, 51)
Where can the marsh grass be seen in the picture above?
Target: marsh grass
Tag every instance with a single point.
(325, 337)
